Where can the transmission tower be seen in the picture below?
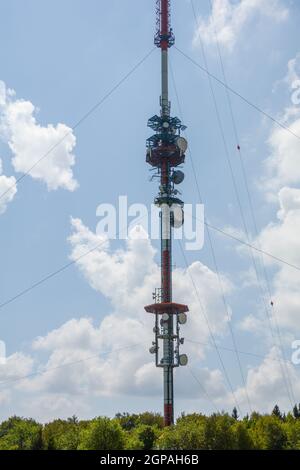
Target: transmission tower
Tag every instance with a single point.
(166, 151)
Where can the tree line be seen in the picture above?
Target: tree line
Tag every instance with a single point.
(219, 431)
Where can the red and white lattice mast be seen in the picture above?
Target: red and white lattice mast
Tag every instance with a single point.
(166, 151)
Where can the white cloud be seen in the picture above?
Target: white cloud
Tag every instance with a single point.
(293, 70)
(8, 189)
(284, 161)
(111, 359)
(49, 406)
(127, 277)
(282, 236)
(79, 334)
(229, 18)
(253, 324)
(30, 141)
(267, 384)
(17, 365)
(114, 362)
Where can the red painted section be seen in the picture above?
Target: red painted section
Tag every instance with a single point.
(172, 308)
(164, 172)
(166, 275)
(168, 415)
(165, 154)
(164, 22)
(164, 16)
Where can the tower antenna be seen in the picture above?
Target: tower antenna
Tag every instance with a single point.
(165, 151)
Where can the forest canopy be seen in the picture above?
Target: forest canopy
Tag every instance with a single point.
(145, 431)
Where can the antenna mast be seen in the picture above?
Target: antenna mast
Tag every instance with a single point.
(165, 151)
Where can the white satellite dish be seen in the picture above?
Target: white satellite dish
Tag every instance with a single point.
(181, 142)
(182, 318)
(177, 216)
(183, 359)
(165, 317)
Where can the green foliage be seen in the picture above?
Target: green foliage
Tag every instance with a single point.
(129, 422)
(292, 430)
(145, 431)
(268, 433)
(242, 437)
(102, 434)
(183, 436)
(276, 412)
(196, 432)
(151, 419)
(219, 433)
(142, 437)
(235, 413)
(296, 411)
(61, 435)
(20, 434)
(147, 435)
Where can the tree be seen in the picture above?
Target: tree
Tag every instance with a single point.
(169, 439)
(151, 419)
(183, 436)
(242, 436)
(276, 412)
(130, 421)
(127, 421)
(219, 433)
(268, 433)
(188, 433)
(73, 419)
(292, 429)
(142, 437)
(147, 435)
(20, 434)
(235, 414)
(102, 434)
(61, 435)
(296, 412)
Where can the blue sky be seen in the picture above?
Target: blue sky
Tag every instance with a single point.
(63, 57)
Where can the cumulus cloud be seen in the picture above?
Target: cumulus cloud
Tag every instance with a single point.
(281, 236)
(268, 380)
(16, 366)
(29, 141)
(49, 406)
(282, 239)
(8, 189)
(283, 163)
(229, 18)
(127, 277)
(111, 359)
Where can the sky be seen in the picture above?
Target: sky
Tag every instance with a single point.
(73, 130)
